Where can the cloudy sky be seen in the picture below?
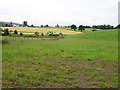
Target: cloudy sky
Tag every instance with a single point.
(62, 12)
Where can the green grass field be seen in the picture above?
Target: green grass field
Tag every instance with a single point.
(86, 60)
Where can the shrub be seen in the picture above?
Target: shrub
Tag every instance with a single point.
(6, 32)
(50, 32)
(21, 34)
(15, 32)
(55, 35)
(60, 34)
(94, 30)
(11, 31)
(36, 33)
(42, 34)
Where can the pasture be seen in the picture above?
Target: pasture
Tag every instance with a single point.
(86, 60)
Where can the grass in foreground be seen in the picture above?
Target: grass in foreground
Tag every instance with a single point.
(85, 60)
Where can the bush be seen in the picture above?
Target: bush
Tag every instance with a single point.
(11, 31)
(55, 35)
(42, 34)
(94, 30)
(36, 33)
(6, 32)
(21, 34)
(50, 32)
(60, 34)
(15, 32)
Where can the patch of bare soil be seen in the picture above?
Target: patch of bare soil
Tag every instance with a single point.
(87, 72)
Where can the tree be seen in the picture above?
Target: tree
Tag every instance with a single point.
(57, 25)
(11, 24)
(15, 32)
(103, 27)
(46, 26)
(25, 24)
(87, 26)
(81, 27)
(73, 27)
(6, 25)
(118, 26)
(32, 25)
(94, 26)
(42, 26)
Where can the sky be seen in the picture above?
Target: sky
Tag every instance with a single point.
(62, 12)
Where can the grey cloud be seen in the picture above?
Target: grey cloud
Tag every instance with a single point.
(63, 12)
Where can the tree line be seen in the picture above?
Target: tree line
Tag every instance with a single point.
(103, 27)
(81, 27)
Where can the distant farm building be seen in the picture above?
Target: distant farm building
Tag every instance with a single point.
(7, 24)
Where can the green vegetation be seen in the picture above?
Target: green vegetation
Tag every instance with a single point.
(73, 27)
(50, 34)
(32, 30)
(81, 27)
(83, 60)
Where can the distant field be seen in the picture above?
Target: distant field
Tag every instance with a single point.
(32, 30)
(87, 60)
